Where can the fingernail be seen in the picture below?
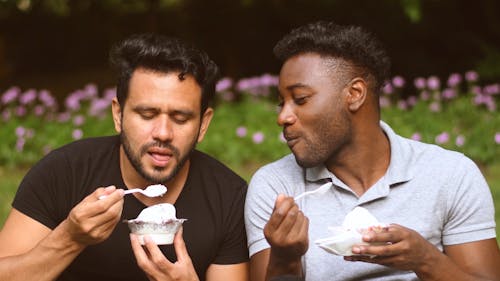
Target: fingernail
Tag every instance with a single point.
(111, 187)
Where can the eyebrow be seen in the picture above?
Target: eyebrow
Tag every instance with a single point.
(297, 85)
(141, 108)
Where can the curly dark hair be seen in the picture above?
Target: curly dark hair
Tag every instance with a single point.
(362, 50)
(163, 54)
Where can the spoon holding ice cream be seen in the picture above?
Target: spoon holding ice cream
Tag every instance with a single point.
(150, 191)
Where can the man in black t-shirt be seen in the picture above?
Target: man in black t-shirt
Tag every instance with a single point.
(59, 229)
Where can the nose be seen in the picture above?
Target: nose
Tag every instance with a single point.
(162, 128)
(286, 116)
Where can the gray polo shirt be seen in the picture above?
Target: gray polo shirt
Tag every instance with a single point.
(441, 194)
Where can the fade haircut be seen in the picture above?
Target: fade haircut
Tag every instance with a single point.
(165, 55)
(360, 53)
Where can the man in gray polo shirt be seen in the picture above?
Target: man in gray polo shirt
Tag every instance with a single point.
(437, 204)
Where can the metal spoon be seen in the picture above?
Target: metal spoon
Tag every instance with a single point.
(150, 191)
(320, 190)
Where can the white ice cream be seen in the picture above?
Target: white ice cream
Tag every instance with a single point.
(158, 213)
(159, 222)
(349, 234)
(359, 218)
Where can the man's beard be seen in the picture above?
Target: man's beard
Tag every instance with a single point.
(135, 158)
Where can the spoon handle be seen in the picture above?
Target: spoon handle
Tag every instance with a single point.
(320, 189)
(128, 191)
(132, 190)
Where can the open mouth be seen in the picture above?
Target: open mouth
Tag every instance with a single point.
(160, 157)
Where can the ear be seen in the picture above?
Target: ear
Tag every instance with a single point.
(357, 92)
(117, 114)
(205, 121)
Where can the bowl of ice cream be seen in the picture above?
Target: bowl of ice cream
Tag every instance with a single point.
(158, 222)
(350, 233)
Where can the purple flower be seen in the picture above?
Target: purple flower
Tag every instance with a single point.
(39, 110)
(449, 93)
(73, 102)
(492, 89)
(416, 136)
(77, 134)
(20, 131)
(384, 102)
(411, 100)
(471, 76)
(90, 91)
(241, 131)
(398, 81)
(435, 106)
(20, 144)
(460, 140)
(78, 120)
(388, 89)
(258, 137)
(476, 90)
(223, 84)
(63, 117)
(433, 83)
(6, 115)
(419, 83)
(46, 98)
(402, 105)
(454, 80)
(10, 95)
(442, 138)
(110, 93)
(424, 95)
(268, 80)
(20, 111)
(497, 137)
(98, 106)
(27, 97)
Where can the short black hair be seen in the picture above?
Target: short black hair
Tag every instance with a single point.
(353, 44)
(163, 54)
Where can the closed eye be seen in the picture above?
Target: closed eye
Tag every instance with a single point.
(300, 100)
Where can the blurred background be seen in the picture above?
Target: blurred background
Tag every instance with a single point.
(56, 84)
(62, 44)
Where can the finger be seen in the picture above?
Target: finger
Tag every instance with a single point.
(300, 223)
(156, 255)
(377, 250)
(180, 246)
(281, 211)
(389, 235)
(141, 256)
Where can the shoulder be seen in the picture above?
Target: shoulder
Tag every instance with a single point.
(210, 168)
(285, 169)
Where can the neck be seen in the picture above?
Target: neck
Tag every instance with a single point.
(364, 161)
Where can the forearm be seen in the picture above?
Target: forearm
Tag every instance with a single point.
(281, 266)
(442, 268)
(45, 261)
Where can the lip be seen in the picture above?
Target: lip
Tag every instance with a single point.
(291, 140)
(160, 157)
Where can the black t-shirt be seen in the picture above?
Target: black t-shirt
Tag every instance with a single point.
(212, 201)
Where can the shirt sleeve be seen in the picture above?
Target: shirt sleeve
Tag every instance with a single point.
(38, 196)
(471, 212)
(233, 249)
(259, 205)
